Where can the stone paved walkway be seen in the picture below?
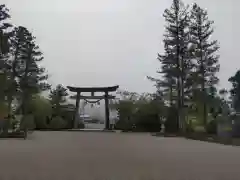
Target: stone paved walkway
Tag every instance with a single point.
(106, 156)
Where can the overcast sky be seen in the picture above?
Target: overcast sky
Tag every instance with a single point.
(108, 42)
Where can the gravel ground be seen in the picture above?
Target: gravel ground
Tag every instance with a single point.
(106, 156)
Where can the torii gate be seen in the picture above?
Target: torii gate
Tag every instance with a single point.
(92, 90)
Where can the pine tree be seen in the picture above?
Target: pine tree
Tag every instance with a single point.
(168, 83)
(17, 40)
(175, 60)
(4, 34)
(204, 53)
(26, 69)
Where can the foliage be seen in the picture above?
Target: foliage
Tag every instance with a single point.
(57, 98)
(204, 55)
(21, 75)
(235, 90)
(41, 110)
(3, 111)
(142, 111)
(81, 125)
(212, 127)
(32, 77)
(4, 30)
(189, 62)
(4, 51)
(67, 112)
(28, 122)
(57, 123)
(175, 60)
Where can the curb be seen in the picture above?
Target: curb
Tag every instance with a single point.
(90, 130)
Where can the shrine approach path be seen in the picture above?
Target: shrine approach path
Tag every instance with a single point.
(106, 156)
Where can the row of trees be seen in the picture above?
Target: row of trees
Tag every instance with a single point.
(187, 87)
(22, 79)
(190, 61)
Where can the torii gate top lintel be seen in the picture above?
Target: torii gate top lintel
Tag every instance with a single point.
(93, 89)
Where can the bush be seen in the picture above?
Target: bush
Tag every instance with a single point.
(28, 122)
(81, 125)
(212, 127)
(141, 122)
(189, 128)
(3, 111)
(41, 109)
(123, 124)
(147, 123)
(41, 122)
(58, 123)
(68, 117)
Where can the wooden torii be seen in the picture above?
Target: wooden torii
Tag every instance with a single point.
(92, 90)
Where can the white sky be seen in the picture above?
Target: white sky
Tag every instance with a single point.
(108, 42)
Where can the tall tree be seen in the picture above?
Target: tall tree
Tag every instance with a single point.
(4, 25)
(30, 76)
(4, 51)
(167, 84)
(175, 60)
(204, 54)
(17, 42)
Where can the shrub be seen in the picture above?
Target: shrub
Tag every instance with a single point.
(68, 116)
(41, 109)
(212, 127)
(147, 123)
(58, 123)
(123, 124)
(28, 122)
(81, 125)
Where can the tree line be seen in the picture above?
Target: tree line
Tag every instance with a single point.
(188, 83)
(186, 90)
(23, 79)
(190, 60)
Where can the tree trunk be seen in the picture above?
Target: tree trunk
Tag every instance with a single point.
(203, 83)
(182, 93)
(171, 95)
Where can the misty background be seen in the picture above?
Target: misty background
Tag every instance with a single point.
(113, 42)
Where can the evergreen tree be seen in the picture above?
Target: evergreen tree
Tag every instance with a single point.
(235, 90)
(168, 83)
(25, 66)
(204, 54)
(17, 41)
(4, 34)
(4, 52)
(175, 61)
